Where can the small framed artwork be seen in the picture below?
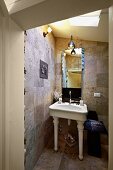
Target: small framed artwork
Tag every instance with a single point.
(43, 70)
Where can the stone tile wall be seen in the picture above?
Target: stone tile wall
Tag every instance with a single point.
(95, 74)
(38, 93)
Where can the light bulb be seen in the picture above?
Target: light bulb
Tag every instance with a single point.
(49, 29)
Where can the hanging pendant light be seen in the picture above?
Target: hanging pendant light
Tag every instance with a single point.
(71, 44)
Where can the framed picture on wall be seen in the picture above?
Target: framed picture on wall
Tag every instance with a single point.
(43, 70)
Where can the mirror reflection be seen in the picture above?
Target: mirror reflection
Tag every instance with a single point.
(71, 70)
(72, 67)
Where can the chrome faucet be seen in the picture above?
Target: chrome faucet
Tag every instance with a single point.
(70, 96)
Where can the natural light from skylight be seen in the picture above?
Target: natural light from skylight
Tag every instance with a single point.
(90, 19)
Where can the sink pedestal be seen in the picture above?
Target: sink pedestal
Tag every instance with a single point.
(80, 135)
(55, 121)
(56, 111)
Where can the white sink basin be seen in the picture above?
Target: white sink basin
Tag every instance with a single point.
(73, 107)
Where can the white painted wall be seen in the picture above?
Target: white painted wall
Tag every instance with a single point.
(11, 95)
(1, 94)
(14, 80)
(111, 88)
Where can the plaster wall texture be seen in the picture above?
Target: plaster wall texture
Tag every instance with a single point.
(110, 88)
(1, 96)
(39, 93)
(11, 95)
(95, 78)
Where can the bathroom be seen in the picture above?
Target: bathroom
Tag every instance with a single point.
(39, 92)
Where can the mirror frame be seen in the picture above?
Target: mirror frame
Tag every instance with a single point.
(64, 89)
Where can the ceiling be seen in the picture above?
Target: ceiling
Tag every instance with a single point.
(49, 11)
(17, 5)
(33, 13)
(99, 33)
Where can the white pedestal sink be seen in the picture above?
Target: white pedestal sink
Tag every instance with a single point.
(69, 111)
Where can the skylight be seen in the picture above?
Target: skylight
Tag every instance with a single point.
(90, 19)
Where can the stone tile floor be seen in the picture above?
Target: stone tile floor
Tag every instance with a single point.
(67, 157)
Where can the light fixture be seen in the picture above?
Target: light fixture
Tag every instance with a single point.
(71, 44)
(73, 52)
(48, 31)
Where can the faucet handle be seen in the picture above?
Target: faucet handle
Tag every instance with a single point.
(70, 92)
(70, 96)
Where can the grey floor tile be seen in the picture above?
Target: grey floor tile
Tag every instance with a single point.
(49, 160)
(67, 157)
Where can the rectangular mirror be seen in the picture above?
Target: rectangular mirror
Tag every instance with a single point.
(72, 73)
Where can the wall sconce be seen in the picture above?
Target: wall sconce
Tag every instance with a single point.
(48, 31)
